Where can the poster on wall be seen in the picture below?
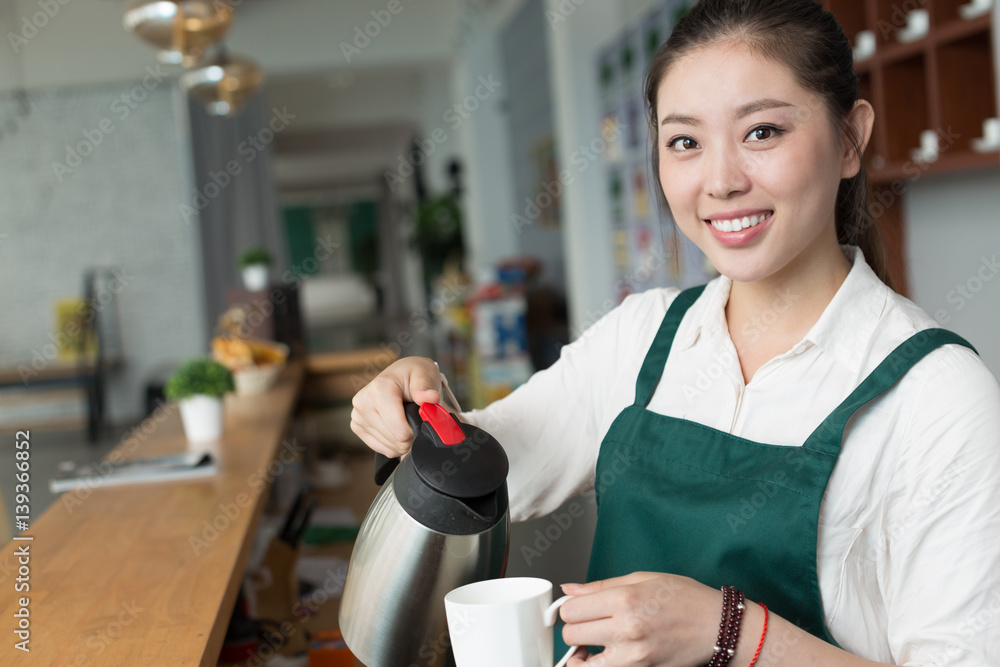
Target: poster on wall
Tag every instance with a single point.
(649, 249)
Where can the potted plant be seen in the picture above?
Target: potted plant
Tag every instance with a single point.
(438, 234)
(255, 263)
(198, 387)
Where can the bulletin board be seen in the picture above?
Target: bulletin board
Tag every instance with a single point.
(649, 249)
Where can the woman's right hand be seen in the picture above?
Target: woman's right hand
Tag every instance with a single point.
(378, 417)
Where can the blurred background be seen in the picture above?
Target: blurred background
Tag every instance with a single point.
(463, 179)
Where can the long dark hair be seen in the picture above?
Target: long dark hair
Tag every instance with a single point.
(809, 41)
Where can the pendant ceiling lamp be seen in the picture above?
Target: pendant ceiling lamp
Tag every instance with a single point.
(181, 30)
(224, 83)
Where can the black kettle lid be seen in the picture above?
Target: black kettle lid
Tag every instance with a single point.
(456, 459)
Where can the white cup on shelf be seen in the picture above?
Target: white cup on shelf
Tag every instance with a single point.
(929, 147)
(990, 141)
(864, 45)
(918, 23)
(975, 9)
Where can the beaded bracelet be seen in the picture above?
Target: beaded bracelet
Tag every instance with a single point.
(729, 628)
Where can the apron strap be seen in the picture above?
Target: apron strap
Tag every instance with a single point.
(828, 435)
(656, 357)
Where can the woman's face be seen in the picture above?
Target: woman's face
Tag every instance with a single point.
(749, 162)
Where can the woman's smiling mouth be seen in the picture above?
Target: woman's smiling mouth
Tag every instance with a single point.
(736, 223)
(739, 228)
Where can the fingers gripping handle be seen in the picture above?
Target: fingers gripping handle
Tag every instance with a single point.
(383, 464)
(550, 620)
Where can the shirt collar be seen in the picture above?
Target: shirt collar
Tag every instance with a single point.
(847, 322)
(706, 316)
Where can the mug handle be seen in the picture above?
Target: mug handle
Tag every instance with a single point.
(550, 621)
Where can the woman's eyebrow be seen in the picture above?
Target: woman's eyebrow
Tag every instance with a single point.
(679, 118)
(741, 112)
(760, 105)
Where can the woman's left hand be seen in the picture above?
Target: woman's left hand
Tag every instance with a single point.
(644, 619)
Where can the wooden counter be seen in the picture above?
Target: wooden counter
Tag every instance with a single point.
(148, 574)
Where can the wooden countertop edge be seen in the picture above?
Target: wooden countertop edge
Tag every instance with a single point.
(374, 358)
(216, 637)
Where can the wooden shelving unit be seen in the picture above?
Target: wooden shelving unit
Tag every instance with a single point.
(944, 81)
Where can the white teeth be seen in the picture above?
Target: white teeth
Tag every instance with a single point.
(740, 223)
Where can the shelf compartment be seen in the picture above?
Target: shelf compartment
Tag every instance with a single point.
(967, 89)
(956, 30)
(890, 17)
(905, 106)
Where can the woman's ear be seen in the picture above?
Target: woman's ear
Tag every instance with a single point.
(859, 129)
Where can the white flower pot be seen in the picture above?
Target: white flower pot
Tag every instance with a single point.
(255, 277)
(202, 417)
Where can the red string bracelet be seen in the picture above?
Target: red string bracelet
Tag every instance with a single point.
(762, 635)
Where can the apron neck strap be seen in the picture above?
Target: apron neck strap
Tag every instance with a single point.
(828, 435)
(656, 357)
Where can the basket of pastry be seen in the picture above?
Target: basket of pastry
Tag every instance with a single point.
(255, 363)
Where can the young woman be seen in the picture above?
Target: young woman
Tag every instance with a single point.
(795, 429)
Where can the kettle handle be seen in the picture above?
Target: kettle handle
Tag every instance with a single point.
(383, 464)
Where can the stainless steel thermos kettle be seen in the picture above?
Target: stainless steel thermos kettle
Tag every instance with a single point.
(440, 521)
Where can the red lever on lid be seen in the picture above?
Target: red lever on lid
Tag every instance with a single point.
(443, 423)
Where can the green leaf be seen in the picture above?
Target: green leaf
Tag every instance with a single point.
(255, 255)
(199, 376)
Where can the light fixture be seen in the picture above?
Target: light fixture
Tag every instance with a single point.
(181, 30)
(224, 83)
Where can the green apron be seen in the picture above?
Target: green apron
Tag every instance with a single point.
(676, 496)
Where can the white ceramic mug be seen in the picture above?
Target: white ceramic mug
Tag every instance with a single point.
(504, 623)
(991, 131)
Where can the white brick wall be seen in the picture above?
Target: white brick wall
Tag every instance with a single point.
(118, 208)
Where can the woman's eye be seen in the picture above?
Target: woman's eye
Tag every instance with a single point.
(763, 133)
(682, 144)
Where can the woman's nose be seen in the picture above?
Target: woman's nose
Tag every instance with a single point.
(726, 174)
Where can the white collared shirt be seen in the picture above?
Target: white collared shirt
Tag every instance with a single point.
(909, 540)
